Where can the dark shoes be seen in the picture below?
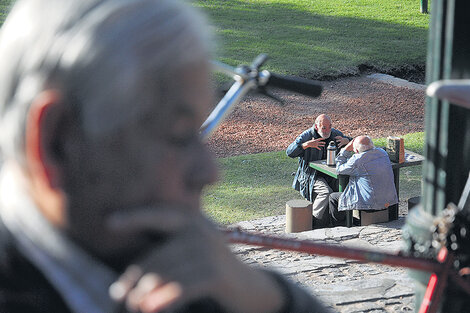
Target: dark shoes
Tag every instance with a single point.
(319, 223)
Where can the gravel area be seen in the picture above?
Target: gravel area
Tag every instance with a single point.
(357, 105)
(347, 286)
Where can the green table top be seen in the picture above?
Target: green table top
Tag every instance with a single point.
(411, 159)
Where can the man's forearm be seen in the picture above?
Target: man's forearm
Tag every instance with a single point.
(294, 150)
(341, 162)
(343, 156)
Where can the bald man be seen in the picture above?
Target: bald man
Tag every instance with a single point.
(311, 146)
(371, 185)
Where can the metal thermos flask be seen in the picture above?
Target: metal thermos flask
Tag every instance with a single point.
(331, 154)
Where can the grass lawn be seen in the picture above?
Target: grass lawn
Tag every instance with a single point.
(310, 38)
(4, 9)
(317, 38)
(259, 185)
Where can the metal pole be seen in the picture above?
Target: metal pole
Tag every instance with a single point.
(447, 147)
(235, 236)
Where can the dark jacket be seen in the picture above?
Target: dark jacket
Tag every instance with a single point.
(24, 289)
(305, 176)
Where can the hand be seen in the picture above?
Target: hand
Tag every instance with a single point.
(341, 141)
(193, 262)
(349, 146)
(314, 143)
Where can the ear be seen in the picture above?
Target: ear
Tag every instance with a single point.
(43, 119)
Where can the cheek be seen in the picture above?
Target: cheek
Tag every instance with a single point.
(164, 180)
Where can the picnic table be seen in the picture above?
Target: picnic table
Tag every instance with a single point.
(411, 159)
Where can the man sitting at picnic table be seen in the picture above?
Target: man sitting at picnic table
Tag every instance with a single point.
(311, 146)
(371, 184)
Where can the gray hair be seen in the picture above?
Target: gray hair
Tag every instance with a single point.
(104, 56)
(363, 143)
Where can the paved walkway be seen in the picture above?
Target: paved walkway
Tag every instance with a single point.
(346, 285)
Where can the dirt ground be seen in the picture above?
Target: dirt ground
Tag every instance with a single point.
(357, 106)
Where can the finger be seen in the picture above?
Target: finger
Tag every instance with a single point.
(161, 298)
(183, 283)
(148, 283)
(320, 144)
(161, 219)
(338, 137)
(120, 289)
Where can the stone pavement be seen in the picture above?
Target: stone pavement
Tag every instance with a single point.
(345, 285)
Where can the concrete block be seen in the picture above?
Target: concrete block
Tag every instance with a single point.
(298, 216)
(371, 217)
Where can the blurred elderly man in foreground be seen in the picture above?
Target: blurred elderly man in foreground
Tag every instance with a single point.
(101, 103)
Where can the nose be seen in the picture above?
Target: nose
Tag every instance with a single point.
(203, 170)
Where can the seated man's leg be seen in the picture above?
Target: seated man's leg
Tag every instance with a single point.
(337, 218)
(320, 205)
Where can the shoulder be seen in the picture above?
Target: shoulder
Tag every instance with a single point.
(308, 133)
(22, 287)
(379, 152)
(376, 155)
(335, 132)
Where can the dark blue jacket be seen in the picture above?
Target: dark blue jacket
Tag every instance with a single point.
(306, 176)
